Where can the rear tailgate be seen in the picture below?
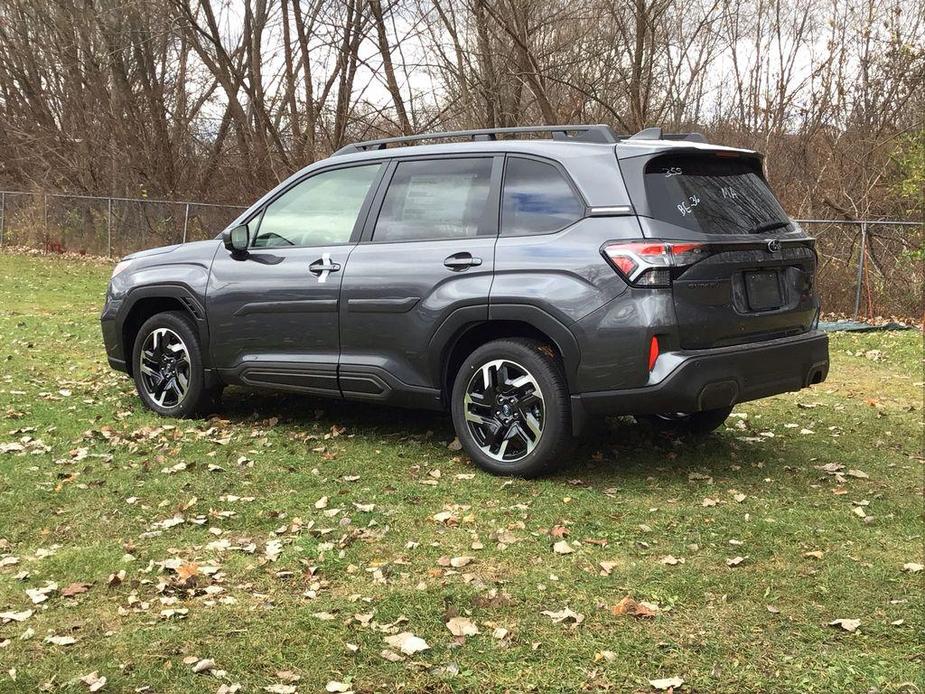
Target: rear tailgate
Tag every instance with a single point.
(745, 292)
(753, 276)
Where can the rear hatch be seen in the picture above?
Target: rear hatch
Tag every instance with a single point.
(752, 273)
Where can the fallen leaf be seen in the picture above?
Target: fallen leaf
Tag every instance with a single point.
(462, 626)
(204, 665)
(187, 571)
(671, 561)
(735, 561)
(814, 554)
(564, 616)
(93, 681)
(75, 589)
(280, 689)
(846, 624)
(562, 547)
(912, 567)
(60, 640)
(859, 474)
(15, 616)
(335, 686)
(407, 643)
(667, 683)
(631, 608)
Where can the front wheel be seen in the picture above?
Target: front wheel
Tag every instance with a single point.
(687, 423)
(167, 367)
(510, 407)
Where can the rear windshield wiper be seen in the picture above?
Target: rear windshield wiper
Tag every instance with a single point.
(769, 226)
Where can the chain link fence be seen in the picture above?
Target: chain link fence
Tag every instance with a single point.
(866, 268)
(111, 227)
(870, 268)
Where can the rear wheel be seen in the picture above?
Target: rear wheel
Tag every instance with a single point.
(510, 407)
(687, 422)
(168, 367)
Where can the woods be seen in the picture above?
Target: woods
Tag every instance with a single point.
(216, 101)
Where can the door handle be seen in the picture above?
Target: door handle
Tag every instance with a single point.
(461, 261)
(323, 267)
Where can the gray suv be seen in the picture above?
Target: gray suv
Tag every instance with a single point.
(523, 283)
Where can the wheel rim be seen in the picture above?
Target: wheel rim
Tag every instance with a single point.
(505, 411)
(165, 367)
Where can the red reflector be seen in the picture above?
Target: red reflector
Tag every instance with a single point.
(653, 352)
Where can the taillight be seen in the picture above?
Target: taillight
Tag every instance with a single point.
(648, 264)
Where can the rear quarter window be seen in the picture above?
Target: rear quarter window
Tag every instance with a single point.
(536, 199)
(712, 194)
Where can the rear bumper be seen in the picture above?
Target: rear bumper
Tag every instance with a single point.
(713, 378)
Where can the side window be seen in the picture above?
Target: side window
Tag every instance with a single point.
(536, 199)
(319, 211)
(436, 199)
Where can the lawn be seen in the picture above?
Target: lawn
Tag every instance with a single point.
(294, 544)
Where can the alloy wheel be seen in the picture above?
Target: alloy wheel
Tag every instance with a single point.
(165, 367)
(504, 410)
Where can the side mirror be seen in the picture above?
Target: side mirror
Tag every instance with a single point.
(238, 239)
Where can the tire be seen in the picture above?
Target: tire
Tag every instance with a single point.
(172, 355)
(696, 423)
(538, 408)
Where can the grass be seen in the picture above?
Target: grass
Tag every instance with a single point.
(85, 503)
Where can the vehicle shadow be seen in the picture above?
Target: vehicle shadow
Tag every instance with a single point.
(607, 451)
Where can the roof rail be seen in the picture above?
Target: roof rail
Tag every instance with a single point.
(575, 133)
(657, 134)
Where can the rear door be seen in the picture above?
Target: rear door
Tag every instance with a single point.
(427, 253)
(754, 274)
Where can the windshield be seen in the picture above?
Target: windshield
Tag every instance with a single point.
(713, 195)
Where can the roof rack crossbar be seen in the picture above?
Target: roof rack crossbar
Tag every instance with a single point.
(575, 133)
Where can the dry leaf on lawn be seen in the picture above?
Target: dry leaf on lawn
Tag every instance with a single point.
(667, 683)
(846, 624)
(564, 616)
(60, 640)
(462, 626)
(93, 681)
(562, 547)
(407, 643)
(629, 607)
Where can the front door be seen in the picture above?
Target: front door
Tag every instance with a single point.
(273, 312)
(426, 255)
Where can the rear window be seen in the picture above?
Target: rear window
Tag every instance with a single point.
(713, 195)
